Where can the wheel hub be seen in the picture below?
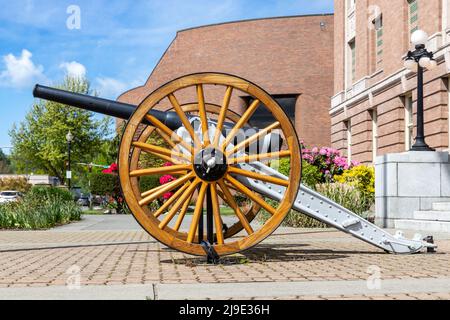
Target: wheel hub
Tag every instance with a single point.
(210, 164)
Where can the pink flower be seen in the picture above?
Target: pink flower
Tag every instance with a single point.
(168, 164)
(355, 163)
(323, 151)
(315, 150)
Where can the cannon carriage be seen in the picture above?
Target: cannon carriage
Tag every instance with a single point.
(216, 154)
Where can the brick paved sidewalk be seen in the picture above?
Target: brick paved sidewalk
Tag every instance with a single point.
(45, 258)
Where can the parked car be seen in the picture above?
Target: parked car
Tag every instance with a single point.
(84, 200)
(10, 196)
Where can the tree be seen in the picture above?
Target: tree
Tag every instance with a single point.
(39, 142)
(5, 163)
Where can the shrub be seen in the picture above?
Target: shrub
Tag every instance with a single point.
(311, 175)
(149, 182)
(346, 195)
(48, 193)
(41, 208)
(17, 184)
(362, 177)
(293, 219)
(328, 161)
(104, 184)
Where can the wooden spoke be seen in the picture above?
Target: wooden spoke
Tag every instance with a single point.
(183, 211)
(230, 200)
(197, 213)
(161, 126)
(187, 125)
(258, 176)
(161, 170)
(171, 200)
(149, 192)
(244, 119)
(216, 213)
(254, 137)
(166, 138)
(167, 188)
(222, 115)
(165, 158)
(173, 211)
(260, 157)
(243, 189)
(202, 112)
(160, 150)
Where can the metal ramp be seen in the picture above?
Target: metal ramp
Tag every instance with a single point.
(323, 209)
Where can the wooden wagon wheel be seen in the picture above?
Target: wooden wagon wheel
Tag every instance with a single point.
(158, 224)
(250, 212)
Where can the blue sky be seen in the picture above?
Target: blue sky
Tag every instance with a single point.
(117, 46)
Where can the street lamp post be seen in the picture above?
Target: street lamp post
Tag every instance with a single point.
(69, 138)
(417, 61)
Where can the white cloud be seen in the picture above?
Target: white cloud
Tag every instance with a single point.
(74, 69)
(110, 88)
(20, 71)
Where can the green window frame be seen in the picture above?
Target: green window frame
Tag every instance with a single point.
(413, 15)
(378, 24)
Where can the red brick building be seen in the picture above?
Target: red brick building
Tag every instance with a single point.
(374, 102)
(290, 57)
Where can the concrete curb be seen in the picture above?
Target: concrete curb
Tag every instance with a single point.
(226, 290)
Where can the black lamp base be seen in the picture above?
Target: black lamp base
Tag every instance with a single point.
(421, 146)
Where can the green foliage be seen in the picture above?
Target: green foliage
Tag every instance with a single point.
(47, 193)
(311, 174)
(147, 160)
(293, 219)
(104, 184)
(41, 208)
(347, 196)
(283, 165)
(39, 141)
(149, 182)
(17, 184)
(5, 163)
(296, 219)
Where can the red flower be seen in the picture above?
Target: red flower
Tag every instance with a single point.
(166, 179)
(168, 164)
(111, 170)
(167, 195)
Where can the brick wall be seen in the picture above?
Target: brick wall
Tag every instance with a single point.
(290, 55)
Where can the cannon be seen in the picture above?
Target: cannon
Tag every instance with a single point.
(212, 167)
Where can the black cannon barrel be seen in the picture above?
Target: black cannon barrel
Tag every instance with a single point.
(103, 106)
(125, 110)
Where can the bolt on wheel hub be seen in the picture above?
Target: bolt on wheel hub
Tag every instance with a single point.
(210, 164)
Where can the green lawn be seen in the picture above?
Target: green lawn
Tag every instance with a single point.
(94, 212)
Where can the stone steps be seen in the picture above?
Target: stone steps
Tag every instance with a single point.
(432, 215)
(435, 220)
(423, 225)
(441, 206)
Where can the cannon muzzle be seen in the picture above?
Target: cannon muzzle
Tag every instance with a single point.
(107, 107)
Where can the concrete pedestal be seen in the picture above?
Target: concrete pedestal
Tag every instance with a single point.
(409, 182)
